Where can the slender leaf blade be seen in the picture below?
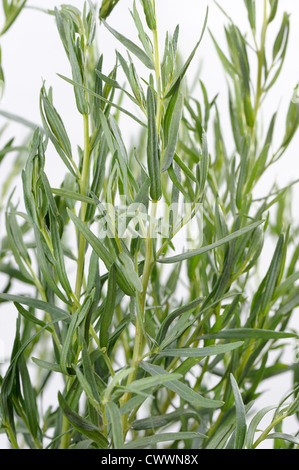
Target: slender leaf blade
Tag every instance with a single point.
(153, 162)
(201, 352)
(212, 246)
(241, 427)
(136, 50)
(156, 438)
(116, 423)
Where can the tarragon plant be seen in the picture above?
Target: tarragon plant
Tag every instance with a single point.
(140, 304)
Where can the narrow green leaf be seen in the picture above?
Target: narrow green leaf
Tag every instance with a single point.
(116, 423)
(250, 5)
(107, 133)
(159, 421)
(135, 84)
(169, 113)
(212, 246)
(50, 134)
(95, 243)
(185, 392)
(117, 378)
(28, 316)
(77, 72)
(113, 83)
(241, 428)
(29, 394)
(220, 225)
(107, 7)
(261, 160)
(220, 437)
(283, 436)
(177, 330)
(184, 168)
(46, 266)
(18, 350)
(59, 255)
(129, 271)
(204, 164)
(273, 11)
(139, 53)
(289, 305)
(173, 132)
(55, 311)
(20, 120)
(9, 149)
(132, 404)
(102, 253)
(56, 124)
(107, 315)
(66, 352)
(249, 333)
(101, 98)
(179, 77)
(67, 194)
(183, 324)
(173, 315)
(89, 372)
(174, 175)
(153, 162)
(16, 241)
(281, 36)
(253, 426)
(228, 66)
(237, 129)
(14, 12)
(243, 174)
(6, 7)
(47, 365)
(117, 332)
(201, 352)
(87, 388)
(150, 382)
(170, 436)
(82, 425)
(147, 45)
(150, 14)
(7, 383)
(272, 274)
(292, 123)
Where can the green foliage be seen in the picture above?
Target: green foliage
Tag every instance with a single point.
(107, 7)
(145, 335)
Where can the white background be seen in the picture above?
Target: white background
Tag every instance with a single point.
(32, 52)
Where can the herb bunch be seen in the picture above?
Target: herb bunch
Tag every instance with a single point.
(153, 344)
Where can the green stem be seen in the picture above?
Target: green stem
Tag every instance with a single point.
(138, 342)
(267, 430)
(148, 261)
(137, 351)
(65, 438)
(215, 426)
(83, 183)
(12, 438)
